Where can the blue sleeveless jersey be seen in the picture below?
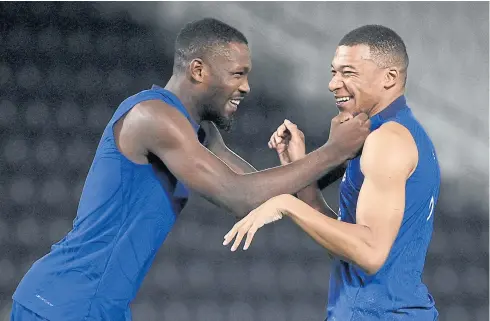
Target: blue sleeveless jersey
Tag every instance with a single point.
(396, 292)
(125, 212)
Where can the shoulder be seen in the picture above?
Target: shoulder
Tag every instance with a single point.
(390, 149)
(155, 120)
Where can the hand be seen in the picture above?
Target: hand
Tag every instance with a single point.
(289, 142)
(268, 212)
(348, 133)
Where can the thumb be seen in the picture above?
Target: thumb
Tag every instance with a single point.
(293, 130)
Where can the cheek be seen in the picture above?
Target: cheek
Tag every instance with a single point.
(365, 87)
(354, 86)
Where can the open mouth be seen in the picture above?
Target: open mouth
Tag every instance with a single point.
(342, 101)
(234, 103)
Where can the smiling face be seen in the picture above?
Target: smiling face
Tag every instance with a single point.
(225, 82)
(358, 83)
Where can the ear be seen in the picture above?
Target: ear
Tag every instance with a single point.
(392, 76)
(197, 70)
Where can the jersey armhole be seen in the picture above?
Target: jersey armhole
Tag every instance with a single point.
(125, 107)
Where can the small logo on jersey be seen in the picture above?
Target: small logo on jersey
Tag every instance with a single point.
(431, 207)
(44, 300)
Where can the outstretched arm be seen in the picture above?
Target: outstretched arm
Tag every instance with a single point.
(214, 142)
(164, 131)
(289, 142)
(388, 159)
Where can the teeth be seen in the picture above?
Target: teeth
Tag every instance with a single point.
(235, 101)
(341, 99)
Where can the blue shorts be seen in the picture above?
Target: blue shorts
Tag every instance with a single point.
(21, 313)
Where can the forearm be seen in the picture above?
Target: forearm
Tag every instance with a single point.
(211, 139)
(332, 177)
(351, 242)
(235, 162)
(313, 196)
(243, 193)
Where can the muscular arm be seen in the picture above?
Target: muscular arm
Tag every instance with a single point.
(214, 142)
(389, 156)
(163, 131)
(311, 194)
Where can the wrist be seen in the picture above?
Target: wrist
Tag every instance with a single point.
(297, 158)
(286, 203)
(334, 154)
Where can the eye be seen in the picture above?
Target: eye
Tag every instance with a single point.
(348, 73)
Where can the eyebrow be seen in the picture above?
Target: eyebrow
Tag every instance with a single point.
(344, 66)
(245, 69)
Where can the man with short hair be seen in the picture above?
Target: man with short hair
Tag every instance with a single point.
(387, 195)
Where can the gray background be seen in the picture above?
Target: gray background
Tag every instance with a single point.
(65, 67)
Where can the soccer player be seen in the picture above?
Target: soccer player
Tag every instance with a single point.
(148, 157)
(387, 195)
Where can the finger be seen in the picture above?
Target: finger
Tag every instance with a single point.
(280, 148)
(272, 142)
(239, 237)
(234, 230)
(280, 140)
(294, 130)
(250, 236)
(230, 235)
(367, 124)
(277, 140)
(281, 130)
(362, 117)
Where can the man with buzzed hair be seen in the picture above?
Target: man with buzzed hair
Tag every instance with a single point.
(148, 157)
(381, 235)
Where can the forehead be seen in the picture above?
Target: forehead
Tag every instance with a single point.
(234, 55)
(351, 56)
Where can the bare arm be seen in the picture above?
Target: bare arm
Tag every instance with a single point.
(214, 142)
(289, 142)
(388, 159)
(165, 132)
(312, 194)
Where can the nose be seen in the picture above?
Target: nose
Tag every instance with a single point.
(335, 84)
(244, 86)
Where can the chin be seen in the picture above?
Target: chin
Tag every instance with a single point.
(225, 123)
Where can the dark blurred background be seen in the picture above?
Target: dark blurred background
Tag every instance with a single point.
(66, 66)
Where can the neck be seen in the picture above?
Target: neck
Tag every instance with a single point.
(181, 88)
(385, 102)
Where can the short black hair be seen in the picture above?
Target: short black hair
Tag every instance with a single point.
(197, 38)
(386, 46)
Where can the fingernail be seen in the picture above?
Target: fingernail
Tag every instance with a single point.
(286, 121)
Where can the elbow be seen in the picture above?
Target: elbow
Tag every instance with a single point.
(372, 261)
